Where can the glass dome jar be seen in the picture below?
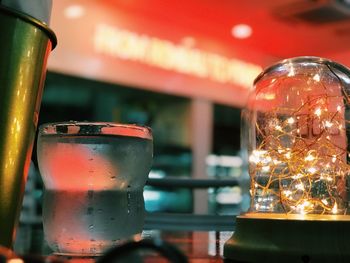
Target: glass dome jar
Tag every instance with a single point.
(295, 128)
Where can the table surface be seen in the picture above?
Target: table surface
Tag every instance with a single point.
(198, 246)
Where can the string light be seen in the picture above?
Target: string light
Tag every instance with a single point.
(300, 163)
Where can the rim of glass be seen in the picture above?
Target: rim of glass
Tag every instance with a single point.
(97, 128)
(303, 59)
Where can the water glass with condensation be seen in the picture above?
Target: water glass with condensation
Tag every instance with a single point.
(94, 174)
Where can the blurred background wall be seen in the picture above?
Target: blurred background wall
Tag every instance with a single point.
(185, 69)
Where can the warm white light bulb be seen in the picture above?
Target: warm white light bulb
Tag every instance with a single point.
(316, 77)
(318, 112)
(335, 208)
(312, 170)
(309, 158)
(241, 31)
(328, 124)
(74, 11)
(291, 120)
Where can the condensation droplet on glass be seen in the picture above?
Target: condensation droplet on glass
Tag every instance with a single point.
(128, 197)
(90, 210)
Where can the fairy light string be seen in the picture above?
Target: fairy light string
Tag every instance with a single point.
(300, 164)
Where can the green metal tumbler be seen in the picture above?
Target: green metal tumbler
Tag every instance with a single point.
(25, 44)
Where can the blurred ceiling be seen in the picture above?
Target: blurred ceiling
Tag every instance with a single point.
(280, 29)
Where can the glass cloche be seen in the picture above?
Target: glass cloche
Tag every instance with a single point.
(296, 128)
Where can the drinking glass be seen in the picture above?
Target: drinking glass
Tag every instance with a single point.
(94, 174)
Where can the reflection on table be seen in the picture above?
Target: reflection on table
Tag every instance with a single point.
(198, 246)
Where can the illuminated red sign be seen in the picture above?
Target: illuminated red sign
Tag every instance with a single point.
(100, 42)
